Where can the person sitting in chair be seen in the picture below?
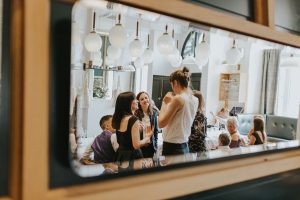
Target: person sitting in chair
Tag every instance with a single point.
(104, 145)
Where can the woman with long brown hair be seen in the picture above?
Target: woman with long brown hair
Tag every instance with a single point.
(147, 114)
(257, 134)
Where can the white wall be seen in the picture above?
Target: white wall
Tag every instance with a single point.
(211, 73)
(97, 109)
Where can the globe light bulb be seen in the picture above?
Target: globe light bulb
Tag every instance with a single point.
(176, 62)
(148, 56)
(165, 44)
(113, 52)
(233, 56)
(136, 48)
(139, 63)
(93, 42)
(118, 36)
(202, 53)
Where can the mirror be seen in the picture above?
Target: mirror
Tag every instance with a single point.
(243, 80)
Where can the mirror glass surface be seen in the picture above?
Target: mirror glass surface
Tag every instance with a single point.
(116, 49)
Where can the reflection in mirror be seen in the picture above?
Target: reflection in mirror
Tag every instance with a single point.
(246, 104)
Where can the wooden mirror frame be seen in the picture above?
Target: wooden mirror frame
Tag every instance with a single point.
(29, 177)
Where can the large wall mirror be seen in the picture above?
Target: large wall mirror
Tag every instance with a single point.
(247, 87)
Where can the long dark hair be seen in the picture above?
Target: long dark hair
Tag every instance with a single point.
(182, 76)
(259, 125)
(122, 108)
(139, 112)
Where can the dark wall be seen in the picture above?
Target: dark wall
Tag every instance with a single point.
(287, 15)
(242, 8)
(5, 100)
(276, 187)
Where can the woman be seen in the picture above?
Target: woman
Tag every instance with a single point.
(177, 114)
(199, 127)
(127, 129)
(232, 125)
(147, 114)
(257, 135)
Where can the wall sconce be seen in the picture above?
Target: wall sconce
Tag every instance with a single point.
(136, 47)
(118, 34)
(165, 43)
(93, 41)
(233, 55)
(148, 53)
(202, 52)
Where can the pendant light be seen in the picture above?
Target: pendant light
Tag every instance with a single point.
(93, 41)
(148, 53)
(136, 46)
(233, 55)
(113, 52)
(202, 52)
(175, 58)
(118, 34)
(165, 43)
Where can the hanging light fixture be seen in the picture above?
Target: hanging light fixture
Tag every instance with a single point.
(233, 55)
(139, 63)
(148, 53)
(113, 52)
(202, 52)
(136, 46)
(93, 41)
(165, 43)
(118, 35)
(175, 58)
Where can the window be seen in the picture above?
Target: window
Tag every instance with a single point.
(288, 96)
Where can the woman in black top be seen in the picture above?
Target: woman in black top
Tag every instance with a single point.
(147, 114)
(127, 130)
(257, 134)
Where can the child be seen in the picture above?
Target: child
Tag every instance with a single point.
(224, 141)
(104, 145)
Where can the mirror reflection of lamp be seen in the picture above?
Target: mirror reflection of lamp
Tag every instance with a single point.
(113, 53)
(93, 41)
(233, 55)
(136, 47)
(118, 34)
(175, 58)
(202, 52)
(148, 53)
(165, 43)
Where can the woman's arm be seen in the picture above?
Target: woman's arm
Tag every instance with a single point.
(135, 135)
(252, 140)
(250, 132)
(168, 110)
(85, 159)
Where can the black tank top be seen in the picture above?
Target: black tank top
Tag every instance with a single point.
(258, 139)
(124, 138)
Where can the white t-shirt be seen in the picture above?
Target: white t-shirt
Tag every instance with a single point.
(179, 129)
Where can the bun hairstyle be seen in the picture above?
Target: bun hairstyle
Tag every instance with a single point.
(182, 76)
